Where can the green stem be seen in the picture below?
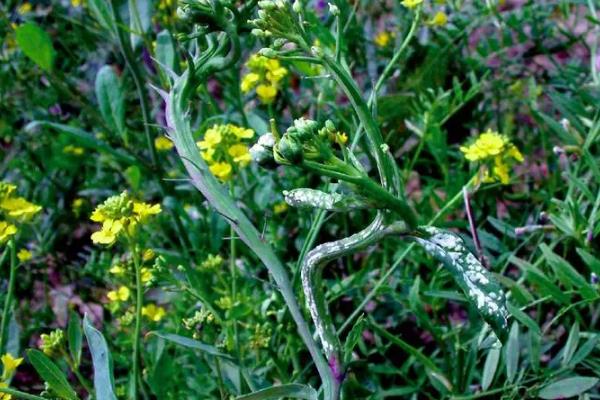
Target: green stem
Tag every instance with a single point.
(20, 395)
(139, 292)
(75, 369)
(9, 294)
(233, 277)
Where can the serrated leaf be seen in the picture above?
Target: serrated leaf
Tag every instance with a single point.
(478, 284)
(74, 336)
(293, 390)
(569, 387)
(111, 99)
(191, 343)
(103, 373)
(36, 45)
(51, 374)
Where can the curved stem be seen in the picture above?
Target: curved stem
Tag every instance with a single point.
(10, 293)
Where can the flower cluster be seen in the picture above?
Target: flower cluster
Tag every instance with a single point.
(496, 153)
(265, 75)
(51, 344)
(120, 215)
(224, 151)
(13, 211)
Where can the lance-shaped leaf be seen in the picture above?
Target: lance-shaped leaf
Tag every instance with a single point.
(101, 359)
(476, 282)
(311, 198)
(111, 99)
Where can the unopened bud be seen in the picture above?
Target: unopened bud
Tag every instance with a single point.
(329, 125)
(268, 52)
(297, 7)
(334, 10)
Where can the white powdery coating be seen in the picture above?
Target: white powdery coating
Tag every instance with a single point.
(267, 140)
(311, 198)
(474, 275)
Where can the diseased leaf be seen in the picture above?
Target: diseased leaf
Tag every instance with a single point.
(103, 373)
(311, 198)
(51, 374)
(569, 387)
(293, 390)
(36, 45)
(477, 283)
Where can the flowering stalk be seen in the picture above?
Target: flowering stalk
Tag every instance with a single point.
(10, 293)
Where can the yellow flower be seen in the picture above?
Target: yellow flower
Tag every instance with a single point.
(280, 208)
(266, 93)
(240, 154)
(146, 275)
(221, 170)
(117, 269)
(439, 19)
(24, 255)
(148, 255)
(143, 210)
(77, 204)
(488, 144)
(163, 143)
(275, 72)
(73, 150)
(153, 313)
(341, 138)
(6, 231)
(515, 153)
(383, 38)
(18, 207)
(240, 132)
(411, 3)
(249, 81)
(207, 154)
(24, 8)
(121, 294)
(109, 232)
(76, 3)
(212, 137)
(9, 365)
(4, 396)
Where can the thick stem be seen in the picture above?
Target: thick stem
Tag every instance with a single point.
(9, 295)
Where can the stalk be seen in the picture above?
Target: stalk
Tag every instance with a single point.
(138, 319)
(9, 294)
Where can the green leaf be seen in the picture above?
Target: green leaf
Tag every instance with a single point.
(292, 390)
(100, 9)
(134, 177)
(140, 17)
(165, 52)
(478, 284)
(585, 350)
(524, 318)
(84, 139)
(571, 345)
(74, 336)
(511, 352)
(311, 198)
(353, 337)
(592, 262)
(191, 343)
(111, 99)
(567, 274)
(51, 374)
(103, 373)
(569, 387)
(489, 368)
(36, 44)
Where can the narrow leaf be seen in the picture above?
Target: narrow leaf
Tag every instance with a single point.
(191, 343)
(511, 352)
(569, 387)
(489, 368)
(74, 336)
(567, 274)
(293, 390)
(110, 99)
(51, 374)
(101, 359)
(571, 345)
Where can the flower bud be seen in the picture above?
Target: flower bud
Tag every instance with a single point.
(297, 6)
(258, 32)
(266, 5)
(330, 126)
(334, 10)
(268, 52)
(290, 149)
